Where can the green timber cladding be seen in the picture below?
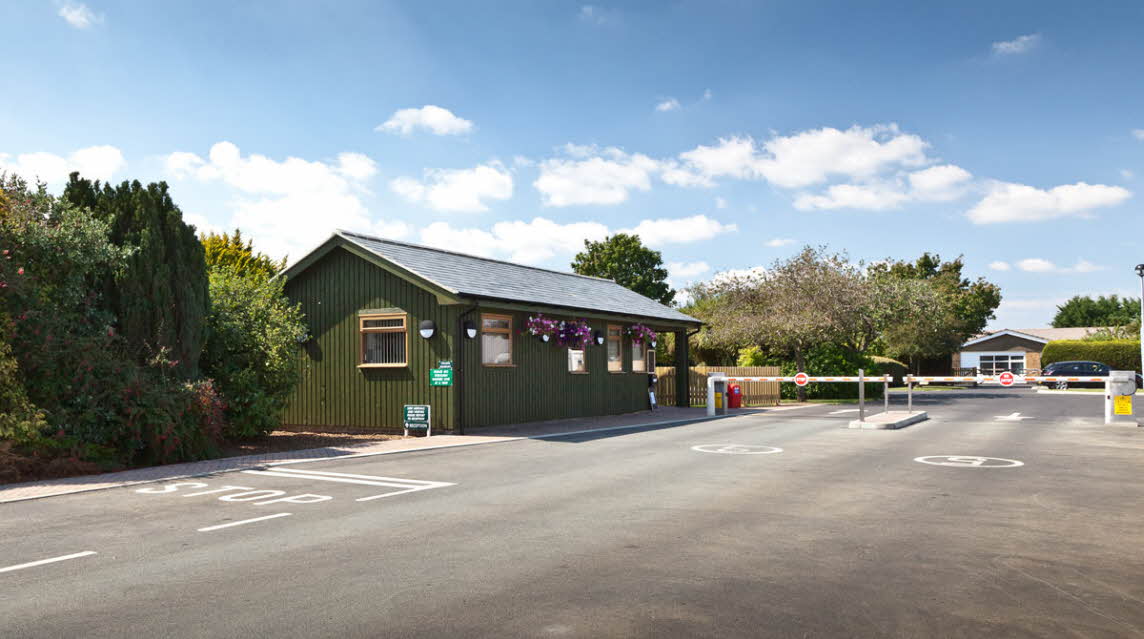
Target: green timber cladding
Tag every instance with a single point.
(351, 274)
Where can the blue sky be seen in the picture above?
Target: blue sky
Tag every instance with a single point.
(728, 134)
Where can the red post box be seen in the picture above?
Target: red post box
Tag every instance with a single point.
(734, 396)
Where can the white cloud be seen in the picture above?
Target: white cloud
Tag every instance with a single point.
(93, 162)
(670, 104)
(999, 266)
(1040, 265)
(529, 242)
(593, 176)
(939, 183)
(720, 203)
(465, 190)
(1018, 45)
(1138, 134)
(288, 205)
(438, 120)
(872, 197)
(79, 15)
(739, 274)
(687, 269)
(1009, 202)
(598, 16)
(663, 231)
(933, 184)
(780, 242)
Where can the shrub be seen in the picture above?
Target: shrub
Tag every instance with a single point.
(250, 354)
(1121, 354)
(20, 420)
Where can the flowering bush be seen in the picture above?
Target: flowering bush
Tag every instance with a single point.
(574, 334)
(538, 325)
(640, 333)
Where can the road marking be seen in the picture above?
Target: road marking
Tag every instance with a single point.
(403, 485)
(32, 564)
(244, 521)
(845, 410)
(1011, 417)
(969, 461)
(736, 449)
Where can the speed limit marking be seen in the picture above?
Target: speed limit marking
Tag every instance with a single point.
(736, 449)
(801, 379)
(969, 461)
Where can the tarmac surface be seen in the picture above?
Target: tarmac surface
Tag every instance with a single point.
(776, 524)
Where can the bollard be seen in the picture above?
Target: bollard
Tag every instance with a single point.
(910, 395)
(885, 395)
(861, 395)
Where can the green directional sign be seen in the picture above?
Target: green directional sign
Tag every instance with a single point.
(441, 377)
(416, 416)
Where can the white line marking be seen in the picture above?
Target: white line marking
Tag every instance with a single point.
(244, 521)
(41, 562)
(1012, 417)
(844, 410)
(397, 492)
(385, 482)
(330, 474)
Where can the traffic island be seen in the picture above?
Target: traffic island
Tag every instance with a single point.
(890, 420)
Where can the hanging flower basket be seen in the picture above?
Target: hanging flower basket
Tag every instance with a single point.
(640, 334)
(574, 334)
(540, 326)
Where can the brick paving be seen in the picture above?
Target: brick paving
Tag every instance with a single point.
(485, 435)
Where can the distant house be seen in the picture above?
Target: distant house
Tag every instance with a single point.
(392, 324)
(1011, 349)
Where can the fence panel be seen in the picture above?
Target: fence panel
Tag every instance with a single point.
(754, 393)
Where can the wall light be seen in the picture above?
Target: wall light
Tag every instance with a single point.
(427, 328)
(599, 338)
(470, 329)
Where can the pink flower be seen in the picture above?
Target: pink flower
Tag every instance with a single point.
(20, 271)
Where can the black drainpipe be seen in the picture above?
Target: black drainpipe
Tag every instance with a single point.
(459, 408)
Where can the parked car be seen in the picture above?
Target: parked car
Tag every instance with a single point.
(1081, 369)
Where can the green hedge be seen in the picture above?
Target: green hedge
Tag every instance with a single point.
(1120, 355)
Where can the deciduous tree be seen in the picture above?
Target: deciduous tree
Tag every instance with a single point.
(624, 258)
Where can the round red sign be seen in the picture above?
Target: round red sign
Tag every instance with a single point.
(801, 379)
(1006, 378)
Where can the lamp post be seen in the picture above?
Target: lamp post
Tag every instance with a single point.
(1140, 272)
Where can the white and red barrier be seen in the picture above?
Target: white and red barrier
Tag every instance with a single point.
(1002, 379)
(801, 379)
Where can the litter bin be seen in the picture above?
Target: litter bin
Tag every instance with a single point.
(735, 396)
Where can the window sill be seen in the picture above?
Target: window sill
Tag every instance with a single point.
(577, 372)
(617, 372)
(383, 365)
(499, 365)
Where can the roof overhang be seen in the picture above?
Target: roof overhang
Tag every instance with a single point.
(1004, 333)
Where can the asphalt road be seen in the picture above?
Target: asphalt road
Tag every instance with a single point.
(627, 534)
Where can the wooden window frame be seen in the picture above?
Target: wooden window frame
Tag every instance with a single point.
(608, 340)
(363, 331)
(643, 356)
(585, 356)
(499, 331)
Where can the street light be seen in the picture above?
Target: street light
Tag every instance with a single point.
(1140, 272)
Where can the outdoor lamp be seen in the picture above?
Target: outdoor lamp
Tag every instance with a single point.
(599, 338)
(470, 329)
(427, 328)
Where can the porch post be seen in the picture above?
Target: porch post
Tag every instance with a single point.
(682, 371)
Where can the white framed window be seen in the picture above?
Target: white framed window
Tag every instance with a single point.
(496, 340)
(615, 349)
(639, 357)
(384, 340)
(577, 363)
(997, 363)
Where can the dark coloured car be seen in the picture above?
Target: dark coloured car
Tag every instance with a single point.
(1081, 369)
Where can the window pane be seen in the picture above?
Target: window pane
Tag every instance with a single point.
(391, 322)
(638, 363)
(613, 331)
(496, 323)
(383, 348)
(615, 355)
(496, 348)
(576, 363)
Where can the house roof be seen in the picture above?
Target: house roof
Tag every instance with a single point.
(1042, 335)
(472, 276)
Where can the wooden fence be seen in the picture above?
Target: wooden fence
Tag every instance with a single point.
(754, 393)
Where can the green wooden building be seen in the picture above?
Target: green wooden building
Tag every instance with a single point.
(369, 301)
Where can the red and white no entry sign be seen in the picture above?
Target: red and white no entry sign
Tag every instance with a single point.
(801, 379)
(1005, 378)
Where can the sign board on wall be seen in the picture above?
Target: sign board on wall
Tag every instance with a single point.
(441, 376)
(416, 417)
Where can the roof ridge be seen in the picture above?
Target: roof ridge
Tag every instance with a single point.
(470, 255)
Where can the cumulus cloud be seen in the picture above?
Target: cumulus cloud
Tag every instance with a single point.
(530, 242)
(687, 269)
(670, 104)
(1009, 202)
(934, 184)
(464, 190)
(432, 118)
(999, 266)
(663, 231)
(1040, 265)
(593, 176)
(1018, 45)
(93, 162)
(780, 242)
(79, 15)
(289, 205)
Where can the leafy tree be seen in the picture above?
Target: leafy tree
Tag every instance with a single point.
(160, 300)
(1103, 311)
(230, 252)
(623, 258)
(250, 352)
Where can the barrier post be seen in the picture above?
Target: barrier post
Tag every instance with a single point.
(861, 395)
(910, 394)
(885, 395)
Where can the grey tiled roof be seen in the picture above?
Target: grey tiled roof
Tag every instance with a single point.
(471, 276)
